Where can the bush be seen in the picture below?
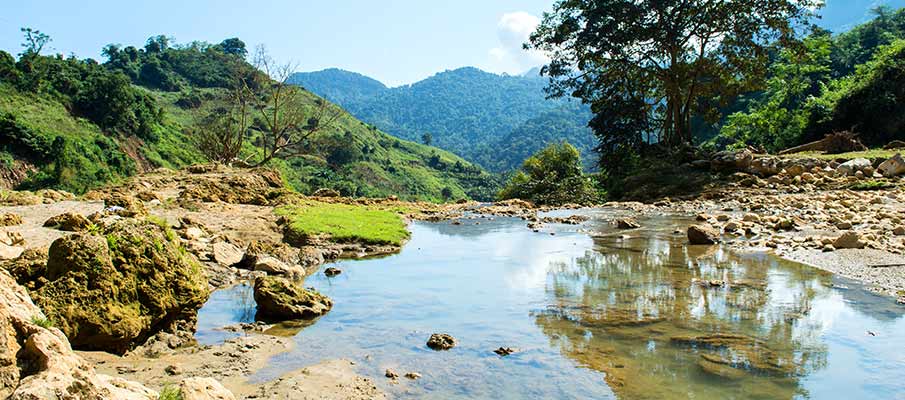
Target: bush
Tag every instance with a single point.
(552, 176)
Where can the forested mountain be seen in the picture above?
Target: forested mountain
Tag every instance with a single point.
(494, 120)
(339, 86)
(77, 124)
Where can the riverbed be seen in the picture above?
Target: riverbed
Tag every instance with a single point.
(593, 313)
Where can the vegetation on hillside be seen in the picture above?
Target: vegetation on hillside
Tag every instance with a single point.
(552, 176)
(82, 124)
(493, 120)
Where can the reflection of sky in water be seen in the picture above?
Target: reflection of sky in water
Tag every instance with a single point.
(499, 284)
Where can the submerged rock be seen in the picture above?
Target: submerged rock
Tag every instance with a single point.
(280, 299)
(331, 271)
(113, 292)
(504, 351)
(627, 223)
(441, 341)
(700, 234)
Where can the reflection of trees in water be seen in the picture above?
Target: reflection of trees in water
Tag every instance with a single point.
(645, 313)
(243, 297)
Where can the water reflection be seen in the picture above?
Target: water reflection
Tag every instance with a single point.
(664, 320)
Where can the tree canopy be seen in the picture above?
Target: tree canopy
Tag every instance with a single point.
(552, 176)
(647, 67)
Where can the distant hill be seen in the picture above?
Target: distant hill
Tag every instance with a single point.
(76, 125)
(470, 112)
(339, 86)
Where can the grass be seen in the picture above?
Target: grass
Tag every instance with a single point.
(346, 223)
(169, 393)
(871, 185)
(868, 154)
(42, 322)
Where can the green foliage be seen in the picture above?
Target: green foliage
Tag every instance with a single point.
(42, 322)
(647, 73)
(345, 223)
(870, 185)
(552, 176)
(494, 120)
(170, 393)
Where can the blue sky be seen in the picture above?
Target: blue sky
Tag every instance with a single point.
(395, 41)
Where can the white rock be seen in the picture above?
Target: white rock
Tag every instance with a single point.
(204, 389)
(894, 166)
(226, 254)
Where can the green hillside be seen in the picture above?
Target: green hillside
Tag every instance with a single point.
(77, 124)
(467, 111)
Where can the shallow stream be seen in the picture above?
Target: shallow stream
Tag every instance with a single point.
(592, 316)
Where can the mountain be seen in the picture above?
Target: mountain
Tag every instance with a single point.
(468, 111)
(76, 124)
(339, 86)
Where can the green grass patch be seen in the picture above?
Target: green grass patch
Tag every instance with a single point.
(346, 223)
(170, 393)
(42, 322)
(871, 185)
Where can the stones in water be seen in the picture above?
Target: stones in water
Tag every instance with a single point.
(331, 271)
(391, 374)
(721, 351)
(281, 299)
(441, 341)
(504, 351)
(627, 223)
(413, 376)
(70, 222)
(700, 234)
(115, 291)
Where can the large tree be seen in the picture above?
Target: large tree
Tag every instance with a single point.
(648, 66)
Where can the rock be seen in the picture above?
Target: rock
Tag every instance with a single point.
(203, 389)
(125, 205)
(281, 251)
(894, 166)
(504, 351)
(273, 266)
(330, 271)
(226, 254)
(391, 374)
(70, 222)
(193, 233)
(731, 226)
(441, 341)
(899, 231)
(751, 218)
(37, 362)
(413, 376)
(851, 167)
(10, 219)
(173, 369)
(844, 225)
(280, 299)
(849, 240)
(148, 195)
(325, 192)
(722, 217)
(115, 291)
(699, 234)
(627, 223)
(8, 252)
(257, 186)
(732, 160)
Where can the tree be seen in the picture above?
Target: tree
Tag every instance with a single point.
(427, 139)
(35, 41)
(552, 176)
(647, 67)
(234, 46)
(287, 116)
(220, 134)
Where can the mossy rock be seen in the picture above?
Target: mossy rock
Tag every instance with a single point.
(70, 222)
(112, 292)
(10, 219)
(281, 299)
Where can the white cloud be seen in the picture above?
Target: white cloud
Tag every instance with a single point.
(513, 30)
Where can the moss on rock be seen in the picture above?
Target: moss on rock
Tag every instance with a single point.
(112, 292)
(281, 299)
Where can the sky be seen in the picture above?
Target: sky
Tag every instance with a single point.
(394, 41)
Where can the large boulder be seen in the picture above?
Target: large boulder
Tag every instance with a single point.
(37, 362)
(113, 292)
(853, 166)
(281, 299)
(732, 160)
(849, 240)
(894, 166)
(700, 234)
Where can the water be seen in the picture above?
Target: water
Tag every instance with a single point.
(601, 317)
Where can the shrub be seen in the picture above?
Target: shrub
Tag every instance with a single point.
(552, 176)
